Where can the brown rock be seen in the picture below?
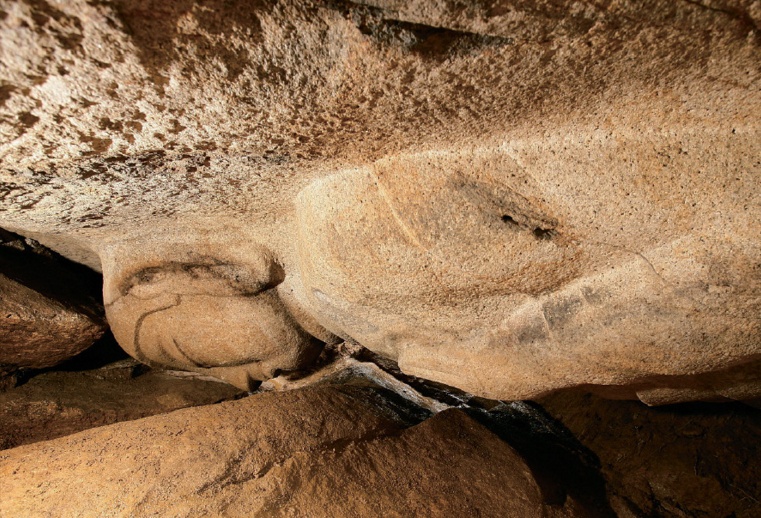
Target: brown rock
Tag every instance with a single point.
(39, 332)
(448, 465)
(319, 451)
(507, 197)
(54, 404)
(681, 460)
(737, 383)
(50, 308)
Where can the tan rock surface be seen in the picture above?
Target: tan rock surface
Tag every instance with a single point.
(320, 451)
(511, 198)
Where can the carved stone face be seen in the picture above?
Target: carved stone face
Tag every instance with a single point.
(484, 268)
(491, 268)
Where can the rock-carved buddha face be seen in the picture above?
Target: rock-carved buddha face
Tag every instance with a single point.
(484, 268)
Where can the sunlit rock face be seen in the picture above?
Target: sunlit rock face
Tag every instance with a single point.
(510, 197)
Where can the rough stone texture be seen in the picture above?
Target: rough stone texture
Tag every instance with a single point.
(684, 460)
(50, 308)
(509, 197)
(359, 450)
(54, 404)
(319, 451)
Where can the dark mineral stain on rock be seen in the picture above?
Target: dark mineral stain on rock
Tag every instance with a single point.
(6, 90)
(429, 42)
(27, 119)
(66, 29)
(559, 311)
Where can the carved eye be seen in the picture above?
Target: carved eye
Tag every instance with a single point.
(205, 276)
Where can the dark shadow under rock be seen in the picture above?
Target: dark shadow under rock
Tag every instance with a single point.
(102, 353)
(51, 308)
(686, 460)
(567, 472)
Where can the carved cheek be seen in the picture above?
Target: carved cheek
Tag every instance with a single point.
(202, 332)
(390, 242)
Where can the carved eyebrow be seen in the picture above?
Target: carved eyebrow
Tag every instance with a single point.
(239, 278)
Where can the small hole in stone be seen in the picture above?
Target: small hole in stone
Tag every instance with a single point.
(543, 233)
(509, 219)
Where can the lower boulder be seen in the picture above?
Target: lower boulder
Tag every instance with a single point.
(51, 308)
(323, 450)
(57, 403)
(693, 459)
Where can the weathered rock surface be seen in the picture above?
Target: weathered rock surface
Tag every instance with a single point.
(684, 460)
(54, 404)
(319, 451)
(347, 447)
(50, 308)
(510, 197)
